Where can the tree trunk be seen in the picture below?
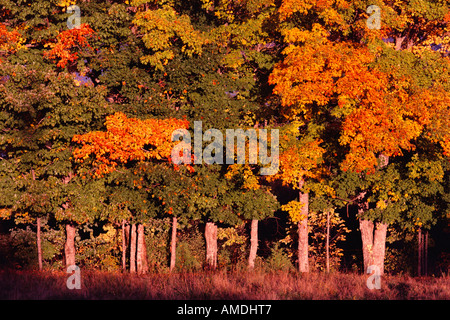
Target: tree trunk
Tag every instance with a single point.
(38, 240)
(422, 259)
(124, 247)
(379, 245)
(398, 42)
(127, 234)
(173, 244)
(69, 247)
(419, 260)
(327, 244)
(142, 265)
(366, 227)
(253, 244)
(133, 249)
(211, 244)
(374, 246)
(426, 254)
(303, 263)
(38, 231)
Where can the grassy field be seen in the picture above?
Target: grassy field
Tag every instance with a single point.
(217, 285)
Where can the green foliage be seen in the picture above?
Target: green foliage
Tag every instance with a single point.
(190, 250)
(278, 259)
(211, 61)
(19, 249)
(317, 239)
(23, 247)
(99, 251)
(401, 251)
(317, 228)
(232, 243)
(157, 237)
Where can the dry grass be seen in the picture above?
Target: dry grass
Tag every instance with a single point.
(218, 285)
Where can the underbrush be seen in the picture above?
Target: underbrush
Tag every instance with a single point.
(242, 285)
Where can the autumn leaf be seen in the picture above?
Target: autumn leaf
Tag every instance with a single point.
(69, 44)
(127, 139)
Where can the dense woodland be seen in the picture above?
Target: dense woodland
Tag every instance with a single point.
(89, 100)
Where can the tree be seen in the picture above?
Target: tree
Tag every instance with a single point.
(127, 140)
(255, 203)
(225, 44)
(301, 154)
(354, 78)
(44, 110)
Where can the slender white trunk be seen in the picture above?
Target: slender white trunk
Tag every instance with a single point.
(426, 254)
(124, 247)
(38, 240)
(173, 244)
(142, 265)
(253, 244)
(211, 244)
(133, 249)
(419, 262)
(69, 248)
(303, 263)
(327, 245)
(38, 231)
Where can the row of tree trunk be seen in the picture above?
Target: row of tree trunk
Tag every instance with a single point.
(133, 239)
(373, 236)
(373, 240)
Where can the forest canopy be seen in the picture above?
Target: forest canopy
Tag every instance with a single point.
(92, 91)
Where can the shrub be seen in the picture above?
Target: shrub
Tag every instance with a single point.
(232, 247)
(157, 238)
(190, 250)
(100, 251)
(278, 259)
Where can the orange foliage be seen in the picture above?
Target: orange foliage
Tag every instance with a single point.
(379, 111)
(8, 39)
(125, 140)
(67, 43)
(299, 161)
(310, 72)
(330, 10)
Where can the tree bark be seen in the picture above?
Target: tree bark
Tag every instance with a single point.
(327, 244)
(38, 231)
(303, 263)
(38, 240)
(379, 245)
(133, 249)
(253, 244)
(366, 227)
(142, 265)
(173, 244)
(211, 244)
(374, 246)
(127, 234)
(419, 260)
(398, 42)
(124, 247)
(425, 268)
(69, 247)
